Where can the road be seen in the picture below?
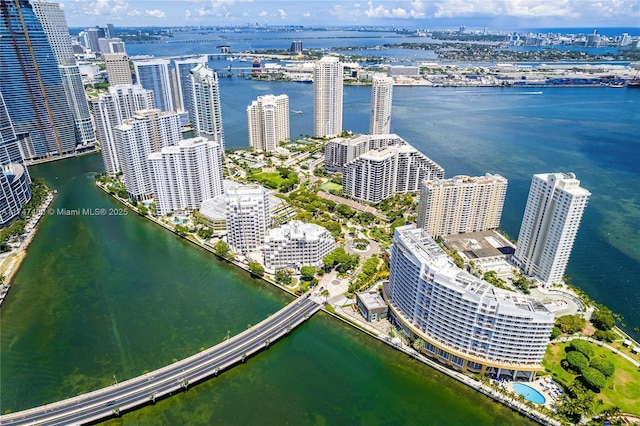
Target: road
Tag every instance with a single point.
(145, 389)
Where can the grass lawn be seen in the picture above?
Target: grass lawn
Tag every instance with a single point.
(331, 186)
(623, 389)
(270, 180)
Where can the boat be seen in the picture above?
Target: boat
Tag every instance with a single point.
(635, 84)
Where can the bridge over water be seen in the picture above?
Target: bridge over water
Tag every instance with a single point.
(145, 389)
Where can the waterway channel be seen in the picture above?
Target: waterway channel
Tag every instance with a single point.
(106, 297)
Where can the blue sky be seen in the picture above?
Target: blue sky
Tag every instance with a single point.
(434, 14)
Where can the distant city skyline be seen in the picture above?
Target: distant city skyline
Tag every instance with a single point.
(433, 14)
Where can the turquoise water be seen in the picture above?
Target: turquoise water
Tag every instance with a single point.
(529, 393)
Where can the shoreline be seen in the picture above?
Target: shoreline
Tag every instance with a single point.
(14, 258)
(506, 400)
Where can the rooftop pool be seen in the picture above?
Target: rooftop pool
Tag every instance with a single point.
(529, 393)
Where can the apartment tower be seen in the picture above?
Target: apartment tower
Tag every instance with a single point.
(247, 214)
(268, 122)
(186, 174)
(461, 204)
(118, 70)
(327, 101)
(381, 98)
(155, 75)
(550, 224)
(206, 108)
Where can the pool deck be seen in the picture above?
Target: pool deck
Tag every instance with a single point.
(545, 386)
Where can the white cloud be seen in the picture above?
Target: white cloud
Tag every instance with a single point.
(156, 13)
(187, 14)
(306, 15)
(380, 11)
(262, 13)
(282, 13)
(114, 9)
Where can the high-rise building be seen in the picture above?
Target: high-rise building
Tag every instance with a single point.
(206, 108)
(91, 38)
(268, 122)
(327, 101)
(461, 204)
(111, 31)
(339, 151)
(15, 191)
(55, 27)
(247, 214)
(110, 110)
(31, 85)
(146, 132)
(296, 46)
(550, 224)
(381, 99)
(297, 244)
(378, 174)
(186, 174)
(182, 79)
(118, 70)
(465, 322)
(155, 74)
(112, 45)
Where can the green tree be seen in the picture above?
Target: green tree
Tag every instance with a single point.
(570, 324)
(222, 249)
(181, 230)
(555, 332)
(325, 293)
(256, 268)
(603, 365)
(602, 318)
(583, 347)
(283, 276)
(594, 378)
(605, 336)
(308, 273)
(577, 361)
(418, 344)
(345, 211)
(205, 232)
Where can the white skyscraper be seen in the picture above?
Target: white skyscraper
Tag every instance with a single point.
(110, 110)
(268, 122)
(464, 321)
(551, 219)
(186, 174)
(339, 151)
(461, 204)
(182, 78)
(206, 108)
(247, 214)
(146, 132)
(297, 244)
(118, 70)
(55, 27)
(155, 75)
(381, 99)
(378, 174)
(327, 106)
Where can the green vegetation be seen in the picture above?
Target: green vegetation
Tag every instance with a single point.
(307, 273)
(576, 361)
(620, 390)
(222, 249)
(570, 324)
(602, 318)
(283, 277)
(284, 180)
(582, 346)
(344, 261)
(371, 272)
(491, 277)
(256, 268)
(181, 230)
(522, 283)
(205, 232)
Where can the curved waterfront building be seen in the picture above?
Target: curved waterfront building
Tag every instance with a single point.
(15, 191)
(464, 321)
(31, 84)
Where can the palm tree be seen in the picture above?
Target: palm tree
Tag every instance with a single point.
(325, 293)
(403, 335)
(418, 344)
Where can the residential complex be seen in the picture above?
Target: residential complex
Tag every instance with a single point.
(550, 224)
(247, 213)
(118, 70)
(15, 191)
(206, 108)
(155, 75)
(186, 174)
(268, 122)
(327, 106)
(32, 87)
(297, 244)
(464, 321)
(146, 132)
(378, 174)
(111, 110)
(381, 99)
(461, 204)
(340, 151)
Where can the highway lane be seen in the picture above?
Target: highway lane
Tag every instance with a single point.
(137, 391)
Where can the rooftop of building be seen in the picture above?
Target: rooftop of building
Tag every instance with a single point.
(214, 208)
(371, 299)
(479, 245)
(468, 180)
(297, 230)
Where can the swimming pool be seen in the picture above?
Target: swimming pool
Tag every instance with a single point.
(529, 393)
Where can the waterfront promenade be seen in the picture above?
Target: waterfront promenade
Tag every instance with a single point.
(146, 389)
